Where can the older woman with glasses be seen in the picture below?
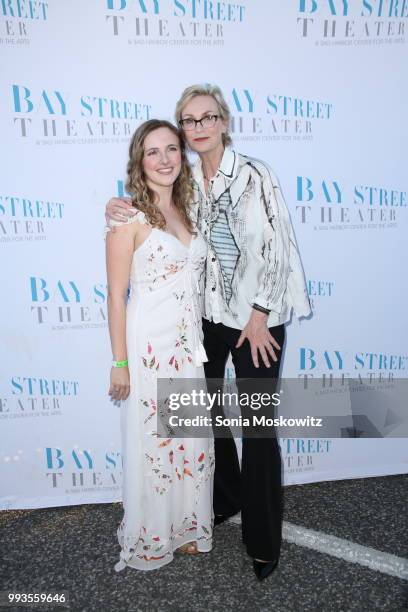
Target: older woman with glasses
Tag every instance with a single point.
(254, 277)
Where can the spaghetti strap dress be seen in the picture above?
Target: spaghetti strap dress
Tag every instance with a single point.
(167, 482)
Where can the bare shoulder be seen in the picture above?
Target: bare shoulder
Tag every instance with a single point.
(131, 226)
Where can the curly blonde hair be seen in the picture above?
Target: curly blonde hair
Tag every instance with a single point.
(143, 197)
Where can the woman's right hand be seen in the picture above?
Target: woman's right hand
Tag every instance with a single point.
(119, 383)
(119, 209)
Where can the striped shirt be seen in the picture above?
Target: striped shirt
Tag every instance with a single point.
(224, 244)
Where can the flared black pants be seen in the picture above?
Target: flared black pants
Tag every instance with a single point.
(256, 488)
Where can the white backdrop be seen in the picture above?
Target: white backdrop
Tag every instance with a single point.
(317, 91)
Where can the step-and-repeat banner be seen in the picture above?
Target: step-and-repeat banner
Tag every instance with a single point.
(316, 89)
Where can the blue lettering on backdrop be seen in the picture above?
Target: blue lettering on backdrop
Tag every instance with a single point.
(331, 192)
(114, 109)
(111, 460)
(238, 103)
(24, 207)
(100, 292)
(16, 385)
(334, 360)
(379, 8)
(50, 459)
(25, 9)
(67, 291)
(120, 189)
(22, 94)
(145, 6)
(209, 9)
(49, 452)
(212, 10)
(298, 107)
(179, 5)
(305, 445)
(305, 193)
(379, 196)
(43, 386)
(308, 359)
(320, 288)
(368, 8)
(339, 7)
(39, 285)
(244, 101)
(53, 103)
(379, 361)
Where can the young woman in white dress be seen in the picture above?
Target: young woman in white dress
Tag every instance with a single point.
(155, 332)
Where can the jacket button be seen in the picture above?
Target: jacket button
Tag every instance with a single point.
(212, 258)
(212, 288)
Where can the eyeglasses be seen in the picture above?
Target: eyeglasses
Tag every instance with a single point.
(206, 122)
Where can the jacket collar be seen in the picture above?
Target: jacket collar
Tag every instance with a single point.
(227, 168)
(231, 175)
(229, 164)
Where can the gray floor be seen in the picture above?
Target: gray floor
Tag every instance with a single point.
(74, 549)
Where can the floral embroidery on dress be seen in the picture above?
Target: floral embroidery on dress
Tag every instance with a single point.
(151, 405)
(181, 343)
(150, 361)
(162, 479)
(179, 296)
(150, 545)
(163, 413)
(162, 323)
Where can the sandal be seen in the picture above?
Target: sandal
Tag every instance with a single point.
(188, 549)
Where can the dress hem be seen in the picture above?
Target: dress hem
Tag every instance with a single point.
(141, 564)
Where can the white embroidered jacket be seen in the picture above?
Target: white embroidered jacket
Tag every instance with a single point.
(268, 270)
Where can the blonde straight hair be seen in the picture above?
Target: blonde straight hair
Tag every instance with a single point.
(206, 90)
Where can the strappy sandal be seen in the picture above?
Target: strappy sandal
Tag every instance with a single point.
(188, 549)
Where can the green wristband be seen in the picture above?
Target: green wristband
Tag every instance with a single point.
(120, 364)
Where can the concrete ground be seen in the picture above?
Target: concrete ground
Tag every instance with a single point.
(345, 548)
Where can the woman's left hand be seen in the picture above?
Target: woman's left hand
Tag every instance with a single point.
(260, 338)
(119, 384)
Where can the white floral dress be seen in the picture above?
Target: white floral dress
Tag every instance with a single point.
(167, 482)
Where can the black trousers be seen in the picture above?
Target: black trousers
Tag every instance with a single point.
(256, 488)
